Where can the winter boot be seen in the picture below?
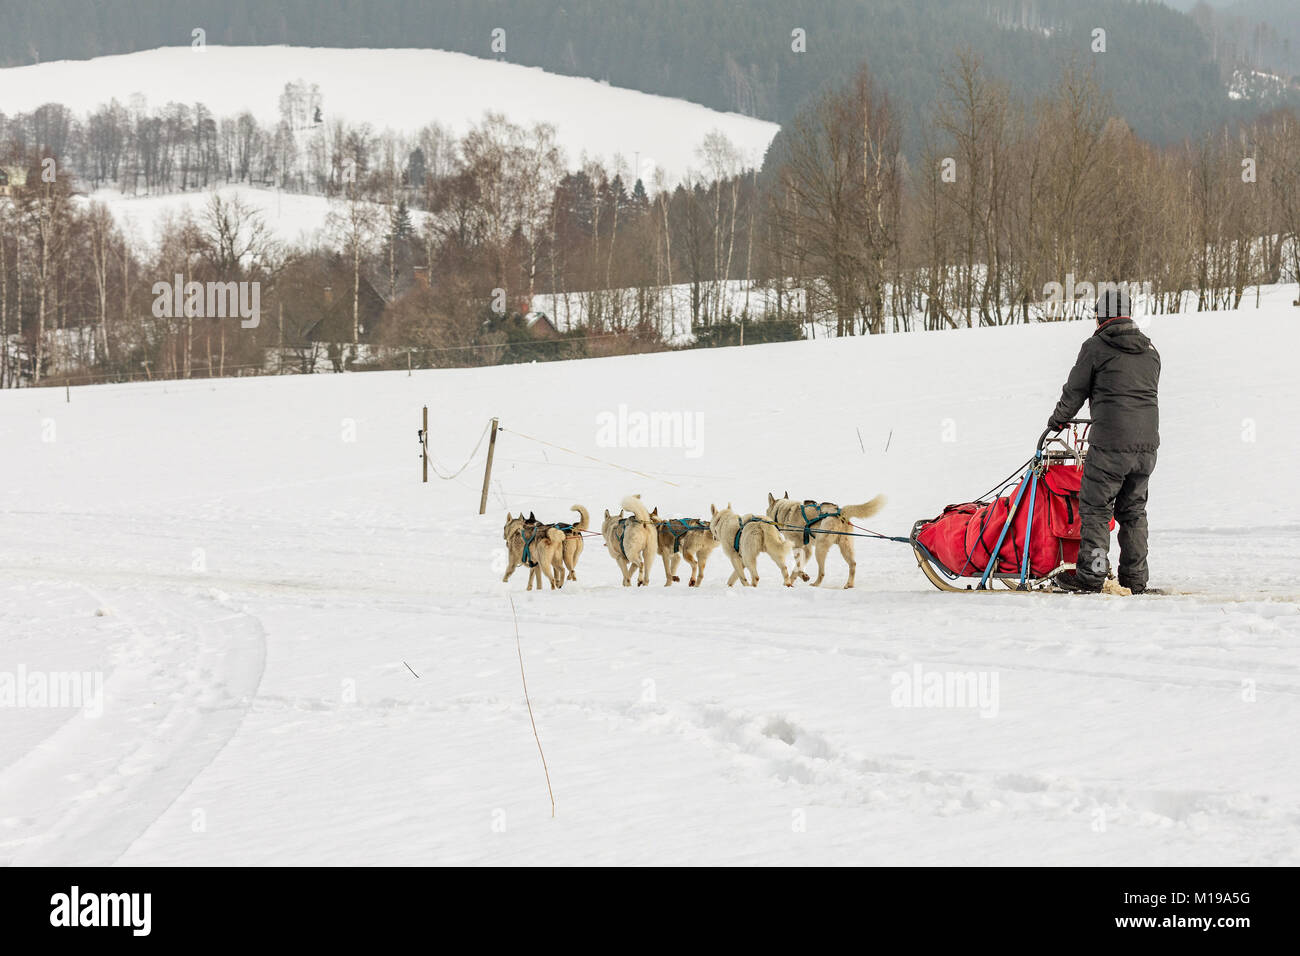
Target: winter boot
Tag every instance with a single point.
(1070, 581)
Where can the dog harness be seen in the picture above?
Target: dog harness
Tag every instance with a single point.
(568, 529)
(623, 530)
(528, 539)
(678, 528)
(744, 521)
(820, 514)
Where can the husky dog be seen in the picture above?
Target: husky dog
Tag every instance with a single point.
(689, 537)
(632, 541)
(567, 557)
(544, 544)
(743, 539)
(807, 526)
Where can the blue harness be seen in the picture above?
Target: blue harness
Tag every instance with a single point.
(819, 515)
(622, 530)
(744, 521)
(528, 539)
(568, 530)
(678, 528)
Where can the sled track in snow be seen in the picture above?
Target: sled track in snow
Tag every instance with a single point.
(182, 682)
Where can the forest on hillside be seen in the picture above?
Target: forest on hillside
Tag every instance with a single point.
(737, 55)
(438, 247)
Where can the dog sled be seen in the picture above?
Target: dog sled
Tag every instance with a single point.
(1019, 536)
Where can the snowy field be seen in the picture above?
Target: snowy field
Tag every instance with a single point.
(307, 656)
(293, 218)
(401, 90)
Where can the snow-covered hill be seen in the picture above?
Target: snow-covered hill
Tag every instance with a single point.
(400, 90)
(308, 656)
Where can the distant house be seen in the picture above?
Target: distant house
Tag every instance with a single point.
(332, 321)
(540, 326)
(314, 321)
(11, 178)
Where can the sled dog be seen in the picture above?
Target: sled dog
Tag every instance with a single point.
(690, 538)
(631, 541)
(743, 539)
(567, 557)
(807, 525)
(539, 546)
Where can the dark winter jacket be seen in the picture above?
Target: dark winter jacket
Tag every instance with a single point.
(1118, 374)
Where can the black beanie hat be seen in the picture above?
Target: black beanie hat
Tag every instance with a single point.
(1112, 304)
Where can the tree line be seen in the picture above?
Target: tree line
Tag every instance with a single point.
(433, 241)
(1013, 199)
(442, 249)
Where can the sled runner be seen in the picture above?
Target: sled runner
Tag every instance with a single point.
(1021, 535)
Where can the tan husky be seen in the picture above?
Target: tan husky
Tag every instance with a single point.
(567, 557)
(632, 542)
(544, 544)
(743, 539)
(811, 527)
(684, 537)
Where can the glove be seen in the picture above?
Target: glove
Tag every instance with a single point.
(1055, 426)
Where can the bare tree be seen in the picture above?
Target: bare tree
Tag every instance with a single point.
(841, 174)
(354, 223)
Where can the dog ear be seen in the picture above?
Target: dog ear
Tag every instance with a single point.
(531, 516)
(787, 493)
(508, 518)
(771, 499)
(713, 511)
(607, 513)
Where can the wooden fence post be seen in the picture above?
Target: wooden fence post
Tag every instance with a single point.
(487, 472)
(424, 443)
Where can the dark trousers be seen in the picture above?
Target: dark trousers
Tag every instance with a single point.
(1115, 485)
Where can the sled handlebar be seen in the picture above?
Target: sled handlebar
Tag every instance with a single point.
(1049, 430)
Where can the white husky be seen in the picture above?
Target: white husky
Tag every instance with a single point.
(743, 539)
(631, 541)
(811, 526)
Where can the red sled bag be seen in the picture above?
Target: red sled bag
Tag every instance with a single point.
(962, 539)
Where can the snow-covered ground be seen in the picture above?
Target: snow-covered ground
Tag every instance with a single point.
(402, 90)
(307, 656)
(292, 218)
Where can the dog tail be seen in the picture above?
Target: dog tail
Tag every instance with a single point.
(864, 510)
(555, 536)
(634, 504)
(584, 519)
